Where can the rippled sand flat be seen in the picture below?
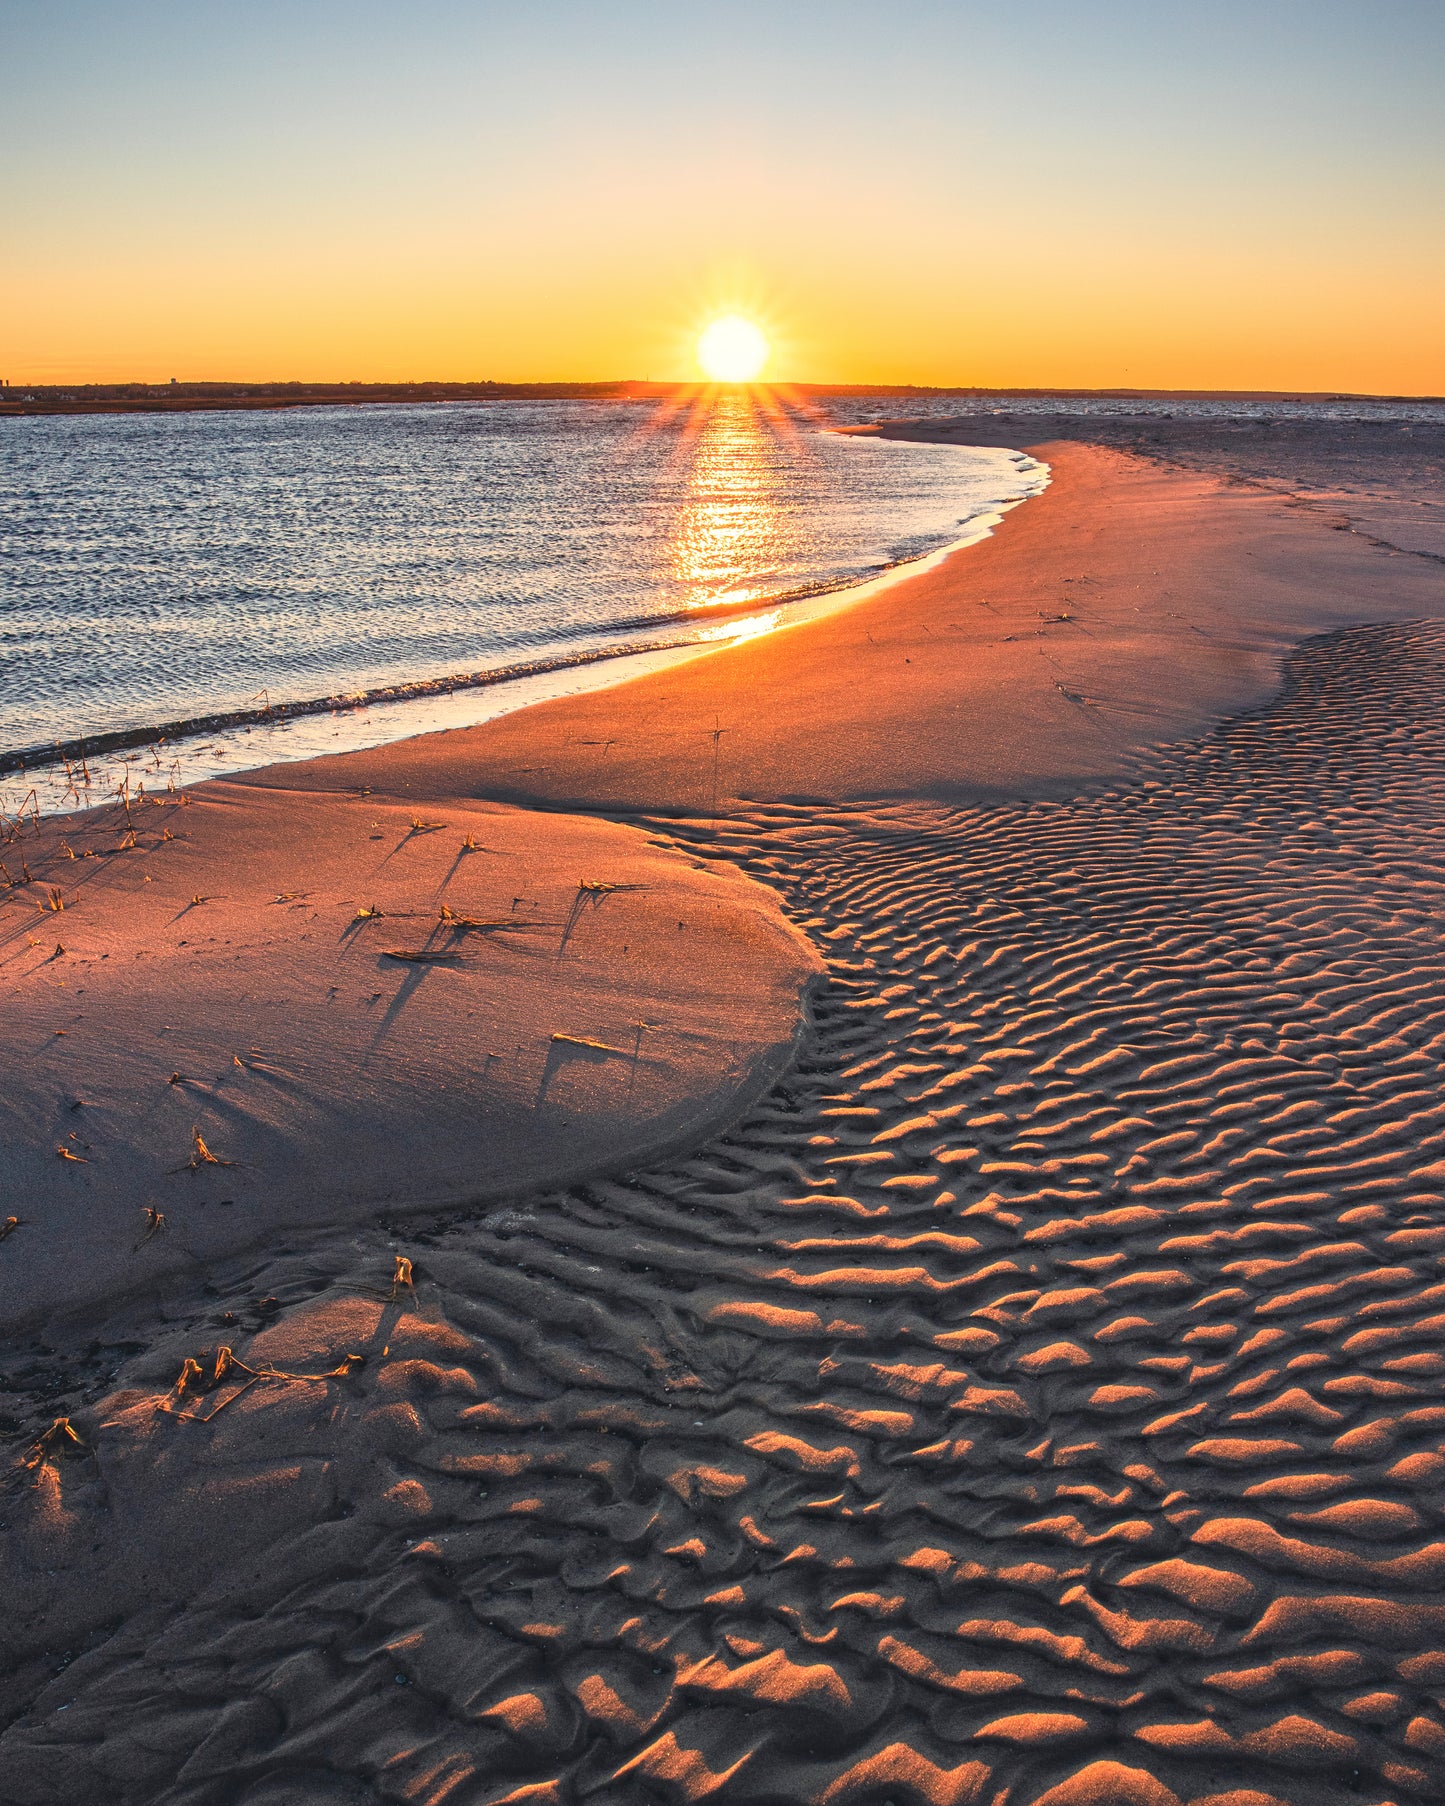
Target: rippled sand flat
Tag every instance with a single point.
(1034, 1401)
(1037, 1398)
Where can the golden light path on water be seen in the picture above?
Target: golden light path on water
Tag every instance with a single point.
(730, 519)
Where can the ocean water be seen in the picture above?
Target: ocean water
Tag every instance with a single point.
(268, 585)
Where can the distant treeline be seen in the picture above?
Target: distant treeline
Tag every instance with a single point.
(149, 398)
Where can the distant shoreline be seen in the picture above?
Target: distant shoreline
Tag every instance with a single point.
(20, 400)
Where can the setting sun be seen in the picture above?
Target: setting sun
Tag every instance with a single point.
(732, 350)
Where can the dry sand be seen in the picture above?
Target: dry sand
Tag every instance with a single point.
(1034, 1400)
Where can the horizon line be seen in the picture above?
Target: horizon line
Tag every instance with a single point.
(173, 388)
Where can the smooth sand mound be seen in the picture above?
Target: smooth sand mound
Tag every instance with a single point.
(1126, 606)
(534, 998)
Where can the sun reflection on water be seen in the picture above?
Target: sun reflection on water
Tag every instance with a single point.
(724, 541)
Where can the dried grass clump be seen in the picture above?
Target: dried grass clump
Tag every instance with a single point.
(201, 1155)
(155, 1222)
(59, 1439)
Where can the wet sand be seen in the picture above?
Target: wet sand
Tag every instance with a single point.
(1034, 1398)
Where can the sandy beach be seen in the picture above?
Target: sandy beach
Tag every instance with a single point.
(875, 1236)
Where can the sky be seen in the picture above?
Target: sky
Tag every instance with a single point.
(1219, 194)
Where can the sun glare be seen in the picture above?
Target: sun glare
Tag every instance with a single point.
(732, 350)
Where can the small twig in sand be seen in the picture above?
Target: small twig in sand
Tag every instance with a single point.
(193, 1379)
(155, 1223)
(227, 1370)
(201, 1155)
(230, 1399)
(59, 1439)
(596, 1046)
(402, 1276)
(418, 826)
(717, 733)
(190, 1377)
(8, 1227)
(367, 913)
(477, 924)
(590, 892)
(65, 1154)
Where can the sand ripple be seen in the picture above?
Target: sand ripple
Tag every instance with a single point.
(1036, 1399)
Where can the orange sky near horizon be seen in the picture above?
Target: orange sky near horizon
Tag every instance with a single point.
(1017, 326)
(459, 195)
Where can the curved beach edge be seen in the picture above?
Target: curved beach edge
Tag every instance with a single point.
(1124, 610)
